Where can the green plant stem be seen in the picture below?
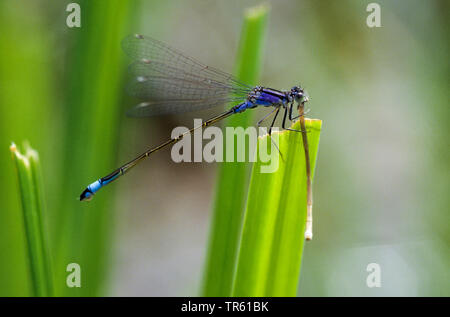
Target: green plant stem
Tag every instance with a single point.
(30, 186)
(309, 197)
(29, 62)
(94, 108)
(231, 188)
(273, 233)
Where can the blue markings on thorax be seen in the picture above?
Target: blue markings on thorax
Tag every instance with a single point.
(244, 106)
(265, 99)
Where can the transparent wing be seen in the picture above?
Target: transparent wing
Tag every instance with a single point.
(172, 82)
(158, 81)
(153, 108)
(144, 48)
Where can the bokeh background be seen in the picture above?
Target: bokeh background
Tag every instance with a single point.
(382, 176)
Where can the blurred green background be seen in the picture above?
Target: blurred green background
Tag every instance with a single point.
(382, 175)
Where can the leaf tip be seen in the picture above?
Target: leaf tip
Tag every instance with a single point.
(257, 11)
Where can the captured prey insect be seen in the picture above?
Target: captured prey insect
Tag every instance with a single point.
(170, 82)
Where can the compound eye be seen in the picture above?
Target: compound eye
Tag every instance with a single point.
(296, 89)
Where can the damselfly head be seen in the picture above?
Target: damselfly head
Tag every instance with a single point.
(300, 95)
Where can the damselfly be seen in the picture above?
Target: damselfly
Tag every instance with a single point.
(171, 82)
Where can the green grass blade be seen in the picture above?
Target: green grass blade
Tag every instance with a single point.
(95, 105)
(273, 234)
(233, 177)
(27, 100)
(30, 187)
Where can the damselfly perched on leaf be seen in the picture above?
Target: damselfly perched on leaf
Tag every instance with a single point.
(170, 82)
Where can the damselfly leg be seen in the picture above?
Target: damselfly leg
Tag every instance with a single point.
(283, 125)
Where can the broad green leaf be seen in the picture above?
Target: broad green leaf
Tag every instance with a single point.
(272, 241)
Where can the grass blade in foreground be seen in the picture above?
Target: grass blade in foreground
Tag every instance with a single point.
(273, 234)
(233, 177)
(28, 172)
